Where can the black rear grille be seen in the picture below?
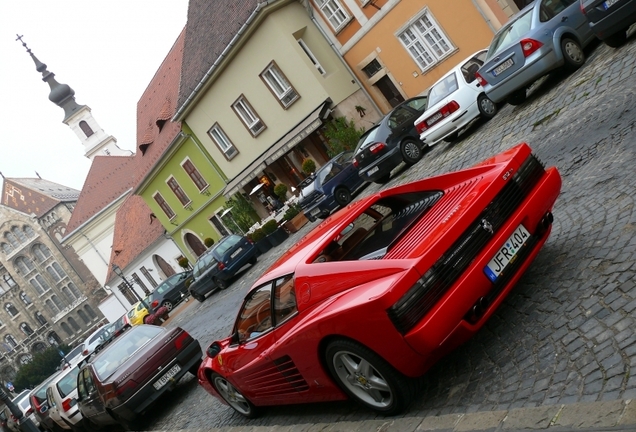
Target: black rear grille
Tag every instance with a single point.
(419, 300)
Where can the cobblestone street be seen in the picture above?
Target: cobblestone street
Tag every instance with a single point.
(565, 334)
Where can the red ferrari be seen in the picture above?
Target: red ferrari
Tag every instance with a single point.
(382, 289)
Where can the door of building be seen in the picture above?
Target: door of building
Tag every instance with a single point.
(390, 92)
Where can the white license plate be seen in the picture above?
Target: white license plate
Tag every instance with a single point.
(507, 253)
(434, 119)
(236, 252)
(167, 376)
(373, 170)
(502, 67)
(315, 212)
(609, 3)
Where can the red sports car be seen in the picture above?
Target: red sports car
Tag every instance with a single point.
(382, 289)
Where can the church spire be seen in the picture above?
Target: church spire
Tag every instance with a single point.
(61, 95)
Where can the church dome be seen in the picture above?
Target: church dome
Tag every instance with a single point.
(60, 92)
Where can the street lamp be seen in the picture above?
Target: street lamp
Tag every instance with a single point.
(120, 273)
(25, 423)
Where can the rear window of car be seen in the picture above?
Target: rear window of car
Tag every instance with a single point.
(442, 89)
(226, 245)
(96, 336)
(367, 139)
(122, 348)
(68, 383)
(511, 33)
(24, 403)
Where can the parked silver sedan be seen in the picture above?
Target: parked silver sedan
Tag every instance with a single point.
(544, 36)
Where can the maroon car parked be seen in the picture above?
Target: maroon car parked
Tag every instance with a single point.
(128, 375)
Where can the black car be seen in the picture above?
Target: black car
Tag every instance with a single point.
(171, 292)
(330, 187)
(610, 19)
(391, 141)
(215, 269)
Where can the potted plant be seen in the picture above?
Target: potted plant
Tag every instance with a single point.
(309, 166)
(208, 242)
(184, 263)
(275, 234)
(294, 218)
(280, 190)
(261, 241)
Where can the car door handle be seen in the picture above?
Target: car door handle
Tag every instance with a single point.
(564, 19)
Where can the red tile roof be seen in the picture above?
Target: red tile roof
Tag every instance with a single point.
(108, 178)
(35, 195)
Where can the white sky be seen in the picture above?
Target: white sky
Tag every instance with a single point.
(106, 50)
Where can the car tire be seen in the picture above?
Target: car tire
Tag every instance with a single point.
(198, 297)
(487, 108)
(451, 138)
(168, 305)
(253, 260)
(342, 196)
(367, 378)
(411, 152)
(220, 283)
(194, 369)
(572, 54)
(233, 397)
(517, 97)
(384, 179)
(616, 40)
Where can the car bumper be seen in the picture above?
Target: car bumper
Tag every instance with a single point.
(384, 166)
(540, 63)
(450, 125)
(247, 254)
(322, 208)
(141, 400)
(618, 20)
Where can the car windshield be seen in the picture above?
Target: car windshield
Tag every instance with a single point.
(442, 89)
(68, 383)
(75, 352)
(96, 336)
(122, 348)
(24, 402)
(367, 138)
(511, 33)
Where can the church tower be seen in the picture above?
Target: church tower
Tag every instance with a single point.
(78, 117)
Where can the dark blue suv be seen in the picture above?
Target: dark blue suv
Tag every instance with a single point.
(330, 187)
(215, 269)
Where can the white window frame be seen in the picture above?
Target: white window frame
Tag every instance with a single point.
(425, 41)
(279, 85)
(248, 116)
(222, 141)
(337, 15)
(311, 56)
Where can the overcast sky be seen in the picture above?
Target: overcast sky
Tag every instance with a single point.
(107, 51)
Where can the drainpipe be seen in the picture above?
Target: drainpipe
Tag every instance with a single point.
(342, 60)
(483, 15)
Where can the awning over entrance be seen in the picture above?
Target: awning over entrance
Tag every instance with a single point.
(312, 122)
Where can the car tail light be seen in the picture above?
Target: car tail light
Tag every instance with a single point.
(179, 341)
(155, 303)
(221, 266)
(583, 11)
(421, 127)
(377, 147)
(124, 389)
(34, 403)
(355, 162)
(85, 351)
(528, 46)
(67, 404)
(480, 79)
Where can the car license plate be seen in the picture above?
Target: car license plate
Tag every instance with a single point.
(236, 252)
(502, 67)
(434, 119)
(373, 170)
(507, 253)
(167, 377)
(609, 3)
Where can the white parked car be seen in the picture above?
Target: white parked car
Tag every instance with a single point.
(454, 101)
(61, 396)
(94, 340)
(24, 404)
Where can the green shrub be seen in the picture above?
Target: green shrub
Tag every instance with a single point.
(269, 227)
(184, 263)
(292, 211)
(281, 191)
(342, 135)
(41, 367)
(257, 235)
(208, 242)
(309, 166)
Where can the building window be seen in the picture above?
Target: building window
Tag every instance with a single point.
(66, 329)
(425, 41)
(222, 142)
(128, 294)
(141, 284)
(174, 186)
(41, 252)
(279, 85)
(29, 231)
(9, 280)
(56, 272)
(54, 309)
(6, 248)
(40, 318)
(248, 116)
(73, 323)
(311, 56)
(334, 12)
(86, 128)
(67, 293)
(372, 68)
(164, 205)
(194, 174)
(26, 329)
(25, 298)
(39, 284)
(17, 232)
(89, 310)
(11, 239)
(11, 310)
(57, 302)
(24, 265)
(83, 316)
(147, 275)
(10, 340)
(77, 293)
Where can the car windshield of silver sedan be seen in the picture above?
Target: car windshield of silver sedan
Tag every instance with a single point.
(442, 89)
(373, 232)
(511, 33)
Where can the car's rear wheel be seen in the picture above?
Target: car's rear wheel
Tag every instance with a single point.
(220, 283)
(368, 378)
(518, 97)
(572, 53)
(342, 196)
(451, 138)
(411, 152)
(194, 369)
(233, 397)
(168, 305)
(487, 108)
(616, 40)
(198, 297)
(253, 260)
